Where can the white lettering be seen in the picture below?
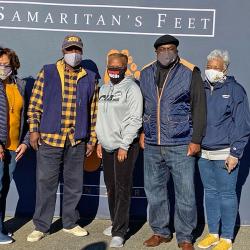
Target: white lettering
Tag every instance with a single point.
(16, 16)
(178, 23)
(114, 19)
(63, 18)
(191, 22)
(32, 18)
(138, 22)
(1, 14)
(101, 20)
(205, 22)
(76, 19)
(160, 20)
(88, 16)
(49, 18)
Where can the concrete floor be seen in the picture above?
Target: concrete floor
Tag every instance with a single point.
(58, 240)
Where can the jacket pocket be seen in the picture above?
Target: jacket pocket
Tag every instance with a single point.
(177, 126)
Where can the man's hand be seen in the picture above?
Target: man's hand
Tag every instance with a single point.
(90, 149)
(141, 140)
(20, 151)
(193, 149)
(1, 153)
(122, 155)
(99, 151)
(35, 140)
(231, 162)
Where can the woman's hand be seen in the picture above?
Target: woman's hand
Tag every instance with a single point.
(231, 163)
(1, 152)
(141, 140)
(99, 151)
(122, 155)
(20, 151)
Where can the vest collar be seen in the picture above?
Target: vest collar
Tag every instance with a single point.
(60, 65)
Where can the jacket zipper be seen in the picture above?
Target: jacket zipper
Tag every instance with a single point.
(159, 107)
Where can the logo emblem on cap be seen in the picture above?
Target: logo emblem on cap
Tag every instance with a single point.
(73, 39)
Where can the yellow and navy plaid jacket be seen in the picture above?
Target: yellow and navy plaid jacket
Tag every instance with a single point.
(69, 84)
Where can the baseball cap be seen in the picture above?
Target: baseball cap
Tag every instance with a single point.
(72, 40)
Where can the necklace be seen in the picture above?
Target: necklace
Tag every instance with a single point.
(12, 99)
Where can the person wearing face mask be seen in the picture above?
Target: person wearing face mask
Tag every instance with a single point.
(174, 122)
(14, 136)
(227, 133)
(119, 119)
(61, 117)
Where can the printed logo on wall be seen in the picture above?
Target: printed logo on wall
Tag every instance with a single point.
(107, 19)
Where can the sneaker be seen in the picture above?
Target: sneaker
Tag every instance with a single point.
(116, 242)
(35, 236)
(223, 245)
(208, 241)
(77, 231)
(5, 239)
(108, 231)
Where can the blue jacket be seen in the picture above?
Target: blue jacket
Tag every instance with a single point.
(228, 117)
(167, 118)
(24, 135)
(52, 97)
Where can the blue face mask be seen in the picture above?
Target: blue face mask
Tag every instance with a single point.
(5, 72)
(73, 59)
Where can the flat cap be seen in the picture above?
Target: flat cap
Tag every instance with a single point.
(166, 39)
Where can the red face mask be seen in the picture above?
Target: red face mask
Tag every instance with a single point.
(116, 74)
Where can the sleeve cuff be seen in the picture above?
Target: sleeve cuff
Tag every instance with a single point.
(125, 147)
(235, 154)
(92, 141)
(33, 128)
(196, 139)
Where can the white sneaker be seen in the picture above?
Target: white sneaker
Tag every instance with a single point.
(35, 236)
(108, 231)
(77, 231)
(116, 242)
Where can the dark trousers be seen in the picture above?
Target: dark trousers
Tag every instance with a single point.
(118, 177)
(49, 161)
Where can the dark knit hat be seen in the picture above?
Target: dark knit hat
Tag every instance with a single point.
(166, 39)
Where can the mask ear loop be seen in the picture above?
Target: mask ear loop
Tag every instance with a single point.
(225, 71)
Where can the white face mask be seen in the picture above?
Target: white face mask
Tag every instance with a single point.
(213, 75)
(73, 59)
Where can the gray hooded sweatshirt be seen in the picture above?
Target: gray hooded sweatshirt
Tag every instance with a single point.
(119, 114)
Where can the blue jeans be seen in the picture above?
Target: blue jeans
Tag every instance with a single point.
(8, 164)
(159, 163)
(220, 196)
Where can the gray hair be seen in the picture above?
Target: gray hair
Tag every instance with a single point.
(223, 54)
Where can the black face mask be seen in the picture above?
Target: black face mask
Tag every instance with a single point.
(116, 74)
